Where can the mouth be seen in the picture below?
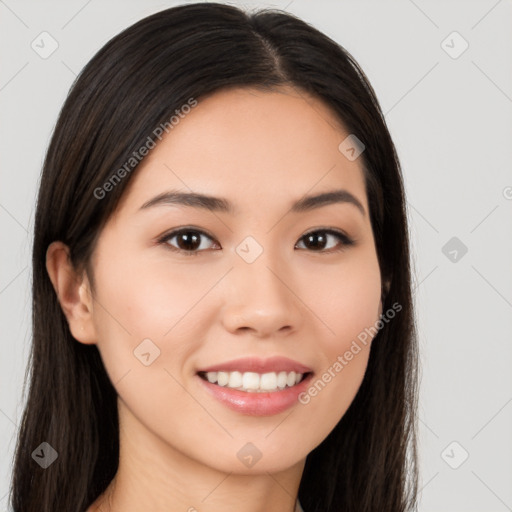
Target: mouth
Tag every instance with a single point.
(253, 382)
(255, 394)
(254, 386)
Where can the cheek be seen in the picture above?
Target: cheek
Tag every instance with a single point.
(140, 319)
(145, 298)
(347, 301)
(148, 299)
(346, 298)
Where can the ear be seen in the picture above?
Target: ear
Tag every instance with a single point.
(73, 292)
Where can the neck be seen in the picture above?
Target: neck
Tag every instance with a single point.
(155, 476)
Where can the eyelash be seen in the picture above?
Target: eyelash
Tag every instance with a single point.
(345, 240)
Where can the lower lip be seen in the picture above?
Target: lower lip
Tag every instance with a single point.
(257, 404)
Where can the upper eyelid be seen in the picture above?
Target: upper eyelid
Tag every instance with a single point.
(177, 231)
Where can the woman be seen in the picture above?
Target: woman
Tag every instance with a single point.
(222, 310)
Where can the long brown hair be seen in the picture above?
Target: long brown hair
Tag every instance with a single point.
(132, 85)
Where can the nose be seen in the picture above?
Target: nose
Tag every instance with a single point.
(262, 299)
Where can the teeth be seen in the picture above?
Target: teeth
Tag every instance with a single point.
(282, 379)
(268, 381)
(255, 382)
(235, 380)
(250, 380)
(222, 378)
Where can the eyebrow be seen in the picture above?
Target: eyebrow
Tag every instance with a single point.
(219, 204)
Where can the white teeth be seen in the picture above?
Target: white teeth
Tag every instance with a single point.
(222, 378)
(268, 381)
(290, 379)
(255, 382)
(282, 378)
(235, 380)
(250, 380)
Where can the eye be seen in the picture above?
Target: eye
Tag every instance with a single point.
(318, 240)
(188, 241)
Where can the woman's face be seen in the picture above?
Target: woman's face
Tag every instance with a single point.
(251, 286)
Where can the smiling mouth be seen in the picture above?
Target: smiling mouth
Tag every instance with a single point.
(253, 382)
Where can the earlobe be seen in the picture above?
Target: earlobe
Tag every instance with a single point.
(73, 292)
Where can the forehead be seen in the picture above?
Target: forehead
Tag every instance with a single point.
(252, 146)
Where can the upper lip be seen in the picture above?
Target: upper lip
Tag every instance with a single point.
(254, 364)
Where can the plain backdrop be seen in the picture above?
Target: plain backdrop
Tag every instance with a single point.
(442, 73)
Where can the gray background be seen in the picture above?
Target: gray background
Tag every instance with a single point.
(450, 119)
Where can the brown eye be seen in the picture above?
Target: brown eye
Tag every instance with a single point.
(318, 240)
(188, 241)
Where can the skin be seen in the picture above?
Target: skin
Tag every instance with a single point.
(178, 445)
